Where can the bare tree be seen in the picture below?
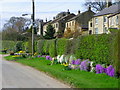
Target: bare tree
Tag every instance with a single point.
(98, 5)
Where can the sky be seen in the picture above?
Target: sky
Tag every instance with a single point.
(43, 8)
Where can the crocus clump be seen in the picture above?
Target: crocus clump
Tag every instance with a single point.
(38, 56)
(110, 71)
(48, 58)
(73, 62)
(99, 69)
(85, 65)
(77, 62)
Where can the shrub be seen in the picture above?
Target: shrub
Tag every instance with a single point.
(52, 48)
(19, 46)
(10, 45)
(97, 48)
(40, 45)
(61, 46)
(46, 47)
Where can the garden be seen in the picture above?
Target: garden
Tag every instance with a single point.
(84, 62)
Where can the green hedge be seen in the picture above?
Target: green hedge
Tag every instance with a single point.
(61, 45)
(103, 49)
(97, 48)
(52, 48)
(46, 47)
(40, 45)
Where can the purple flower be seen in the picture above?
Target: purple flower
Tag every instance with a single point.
(100, 69)
(110, 71)
(43, 56)
(77, 62)
(38, 56)
(73, 62)
(47, 57)
(85, 65)
(50, 59)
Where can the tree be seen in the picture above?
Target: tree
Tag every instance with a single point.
(98, 5)
(17, 23)
(50, 32)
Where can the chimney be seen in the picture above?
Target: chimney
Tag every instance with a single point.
(68, 12)
(78, 11)
(108, 3)
(46, 19)
(53, 18)
(89, 8)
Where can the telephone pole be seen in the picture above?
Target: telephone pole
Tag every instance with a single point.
(33, 25)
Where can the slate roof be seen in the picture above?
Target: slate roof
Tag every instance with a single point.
(118, 12)
(109, 10)
(64, 17)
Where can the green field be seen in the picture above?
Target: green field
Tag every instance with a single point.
(75, 78)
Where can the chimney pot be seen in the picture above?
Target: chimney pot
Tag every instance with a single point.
(78, 11)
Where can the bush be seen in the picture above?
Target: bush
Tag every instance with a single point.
(46, 47)
(52, 48)
(40, 45)
(19, 46)
(96, 48)
(61, 46)
(10, 45)
(70, 47)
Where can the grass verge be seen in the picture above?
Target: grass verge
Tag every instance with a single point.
(76, 78)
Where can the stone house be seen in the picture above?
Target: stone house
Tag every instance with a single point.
(100, 23)
(79, 23)
(114, 20)
(59, 21)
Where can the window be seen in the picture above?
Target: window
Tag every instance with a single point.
(96, 20)
(70, 24)
(96, 30)
(105, 30)
(105, 19)
(56, 25)
(90, 24)
(116, 19)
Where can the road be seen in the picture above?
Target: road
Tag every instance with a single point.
(15, 75)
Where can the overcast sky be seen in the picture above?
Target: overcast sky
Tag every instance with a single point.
(43, 8)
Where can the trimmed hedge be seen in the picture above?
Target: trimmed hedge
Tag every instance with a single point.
(40, 45)
(52, 48)
(102, 49)
(61, 45)
(97, 48)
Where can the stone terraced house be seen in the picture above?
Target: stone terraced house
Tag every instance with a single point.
(79, 23)
(105, 19)
(59, 21)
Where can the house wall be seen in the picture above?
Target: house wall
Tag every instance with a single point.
(56, 26)
(44, 29)
(71, 25)
(99, 26)
(114, 22)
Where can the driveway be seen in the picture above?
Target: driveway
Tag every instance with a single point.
(15, 75)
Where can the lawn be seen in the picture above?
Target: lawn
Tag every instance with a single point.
(75, 78)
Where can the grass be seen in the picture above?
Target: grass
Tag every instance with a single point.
(76, 78)
(2, 53)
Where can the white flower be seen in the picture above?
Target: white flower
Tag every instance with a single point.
(58, 58)
(61, 59)
(72, 58)
(67, 59)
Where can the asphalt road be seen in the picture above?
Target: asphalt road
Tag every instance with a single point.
(15, 75)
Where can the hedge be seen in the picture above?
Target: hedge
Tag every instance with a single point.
(97, 48)
(102, 49)
(40, 44)
(52, 48)
(61, 45)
